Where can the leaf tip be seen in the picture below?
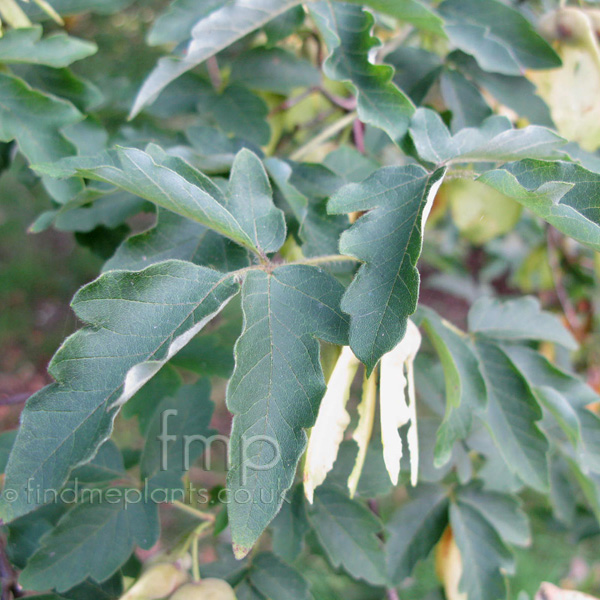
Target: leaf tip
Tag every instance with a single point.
(240, 551)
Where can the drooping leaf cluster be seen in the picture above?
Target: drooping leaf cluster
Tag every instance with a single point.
(271, 247)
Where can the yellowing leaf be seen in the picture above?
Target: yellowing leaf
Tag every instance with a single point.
(448, 566)
(395, 410)
(332, 420)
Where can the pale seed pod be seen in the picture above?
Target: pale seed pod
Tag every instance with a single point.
(157, 582)
(205, 589)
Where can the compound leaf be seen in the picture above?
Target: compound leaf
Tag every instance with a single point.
(172, 183)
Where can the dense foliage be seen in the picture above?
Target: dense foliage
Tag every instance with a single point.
(269, 182)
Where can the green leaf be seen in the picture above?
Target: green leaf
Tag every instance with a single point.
(273, 70)
(277, 580)
(172, 183)
(385, 290)
(106, 466)
(24, 534)
(104, 526)
(495, 140)
(410, 11)
(284, 25)
(35, 121)
(136, 322)
(7, 439)
(568, 393)
(211, 34)
(416, 71)
(415, 529)
(74, 7)
(185, 417)
(349, 164)
(564, 194)
(462, 97)
(276, 387)
(516, 92)
(176, 23)
(318, 231)
(482, 551)
(374, 479)
(290, 526)
(347, 33)
(209, 355)
(111, 589)
(347, 531)
(465, 388)
(502, 511)
(63, 83)
(27, 46)
(175, 237)
(250, 199)
(108, 211)
(499, 37)
(237, 111)
(246, 591)
(519, 319)
(511, 416)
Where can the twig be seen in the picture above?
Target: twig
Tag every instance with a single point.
(553, 238)
(200, 514)
(345, 103)
(358, 129)
(214, 72)
(13, 400)
(291, 102)
(327, 133)
(318, 260)
(392, 594)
